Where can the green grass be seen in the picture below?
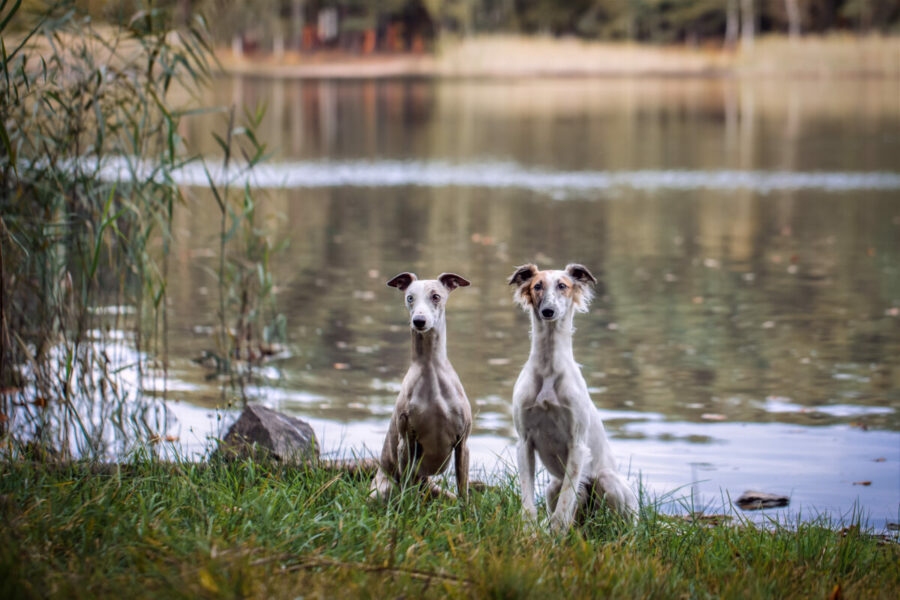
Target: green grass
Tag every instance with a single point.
(159, 530)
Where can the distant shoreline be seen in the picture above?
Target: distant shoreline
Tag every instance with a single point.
(512, 57)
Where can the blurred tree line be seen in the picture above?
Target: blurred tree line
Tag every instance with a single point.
(415, 25)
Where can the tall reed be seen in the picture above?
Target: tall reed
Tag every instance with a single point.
(83, 255)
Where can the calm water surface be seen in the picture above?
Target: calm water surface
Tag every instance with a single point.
(746, 334)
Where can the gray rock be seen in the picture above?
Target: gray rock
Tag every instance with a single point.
(758, 500)
(262, 433)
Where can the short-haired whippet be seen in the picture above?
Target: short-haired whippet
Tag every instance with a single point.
(552, 410)
(432, 418)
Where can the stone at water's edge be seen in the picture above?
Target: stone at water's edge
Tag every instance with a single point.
(759, 500)
(261, 432)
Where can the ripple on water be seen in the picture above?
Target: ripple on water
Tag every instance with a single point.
(439, 174)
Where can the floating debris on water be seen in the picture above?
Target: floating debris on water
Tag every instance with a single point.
(750, 500)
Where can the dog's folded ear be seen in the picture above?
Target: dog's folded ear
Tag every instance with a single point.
(402, 281)
(452, 281)
(583, 291)
(523, 274)
(580, 273)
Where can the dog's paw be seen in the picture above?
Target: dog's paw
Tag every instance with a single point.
(381, 487)
(529, 514)
(531, 524)
(559, 524)
(436, 492)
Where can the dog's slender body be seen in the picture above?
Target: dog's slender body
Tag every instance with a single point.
(432, 418)
(552, 410)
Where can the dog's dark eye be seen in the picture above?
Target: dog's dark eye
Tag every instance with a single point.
(409, 298)
(538, 286)
(435, 298)
(561, 286)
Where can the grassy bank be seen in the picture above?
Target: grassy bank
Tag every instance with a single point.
(157, 530)
(836, 55)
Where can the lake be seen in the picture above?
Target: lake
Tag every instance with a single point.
(746, 233)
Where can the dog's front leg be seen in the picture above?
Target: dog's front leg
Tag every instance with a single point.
(562, 517)
(461, 467)
(404, 462)
(525, 456)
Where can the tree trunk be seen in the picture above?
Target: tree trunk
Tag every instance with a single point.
(237, 45)
(748, 24)
(184, 12)
(277, 37)
(297, 22)
(278, 46)
(793, 16)
(732, 23)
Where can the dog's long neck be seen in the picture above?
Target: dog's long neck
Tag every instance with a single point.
(551, 341)
(430, 346)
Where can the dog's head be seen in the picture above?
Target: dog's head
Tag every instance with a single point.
(552, 294)
(426, 298)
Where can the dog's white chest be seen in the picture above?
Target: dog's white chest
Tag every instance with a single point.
(548, 423)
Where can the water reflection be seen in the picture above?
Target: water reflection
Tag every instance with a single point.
(707, 302)
(756, 332)
(578, 124)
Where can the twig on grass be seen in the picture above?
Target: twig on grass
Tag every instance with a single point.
(313, 562)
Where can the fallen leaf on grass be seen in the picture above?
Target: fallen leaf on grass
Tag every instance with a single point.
(207, 581)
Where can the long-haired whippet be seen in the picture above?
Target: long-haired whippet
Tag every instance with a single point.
(552, 411)
(432, 418)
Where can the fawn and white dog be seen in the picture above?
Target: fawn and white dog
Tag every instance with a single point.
(432, 418)
(552, 411)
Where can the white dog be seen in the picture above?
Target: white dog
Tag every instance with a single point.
(432, 418)
(552, 411)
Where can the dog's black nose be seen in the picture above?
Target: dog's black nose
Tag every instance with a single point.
(419, 322)
(547, 313)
